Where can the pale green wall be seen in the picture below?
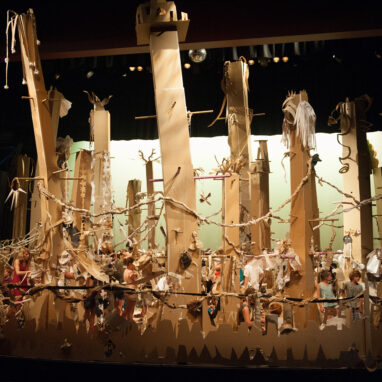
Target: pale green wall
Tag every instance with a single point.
(126, 165)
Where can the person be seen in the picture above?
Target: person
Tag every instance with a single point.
(249, 311)
(129, 276)
(7, 292)
(351, 289)
(253, 274)
(325, 290)
(90, 304)
(22, 271)
(119, 298)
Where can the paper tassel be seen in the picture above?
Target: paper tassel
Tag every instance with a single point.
(305, 121)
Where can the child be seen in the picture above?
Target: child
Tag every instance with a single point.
(129, 276)
(325, 290)
(351, 289)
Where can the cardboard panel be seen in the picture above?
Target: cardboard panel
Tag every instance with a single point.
(175, 152)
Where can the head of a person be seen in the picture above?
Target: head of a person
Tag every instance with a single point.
(128, 262)
(326, 276)
(355, 276)
(218, 267)
(250, 293)
(24, 254)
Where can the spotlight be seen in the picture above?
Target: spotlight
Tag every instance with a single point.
(285, 59)
(251, 62)
(187, 65)
(276, 59)
(197, 55)
(89, 74)
(124, 75)
(57, 76)
(337, 59)
(378, 55)
(131, 68)
(139, 68)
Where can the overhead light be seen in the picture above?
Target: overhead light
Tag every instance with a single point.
(276, 59)
(337, 59)
(187, 65)
(251, 62)
(124, 75)
(89, 74)
(378, 55)
(285, 59)
(139, 68)
(197, 55)
(131, 68)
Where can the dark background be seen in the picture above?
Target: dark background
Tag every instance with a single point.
(78, 37)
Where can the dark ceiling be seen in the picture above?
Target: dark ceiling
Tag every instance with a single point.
(338, 56)
(80, 29)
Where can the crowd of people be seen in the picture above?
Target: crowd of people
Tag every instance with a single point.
(254, 310)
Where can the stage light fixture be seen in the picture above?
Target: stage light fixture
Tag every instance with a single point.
(251, 62)
(285, 59)
(131, 68)
(124, 75)
(197, 55)
(276, 59)
(89, 74)
(187, 65)
(139, 68)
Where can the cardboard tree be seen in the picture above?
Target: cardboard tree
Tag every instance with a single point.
(100, 132)
(20, 212)
(56, 99)
(157, 24)
(235, 87)
(261, 232)
(304, 205)
(134, 220)
(356, 172)
(82, 191)
(42, 111)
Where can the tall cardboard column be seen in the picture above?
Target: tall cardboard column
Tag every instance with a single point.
(82, 189)
(102, 192)
(356, 180)
(55, 99)
(230, 264)
(239, 128)
(151, 206)
(20, 211)
(157, 24)
(45, 142)
(301, 215)
(133, 187)
(261, 232)
(377, 176)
